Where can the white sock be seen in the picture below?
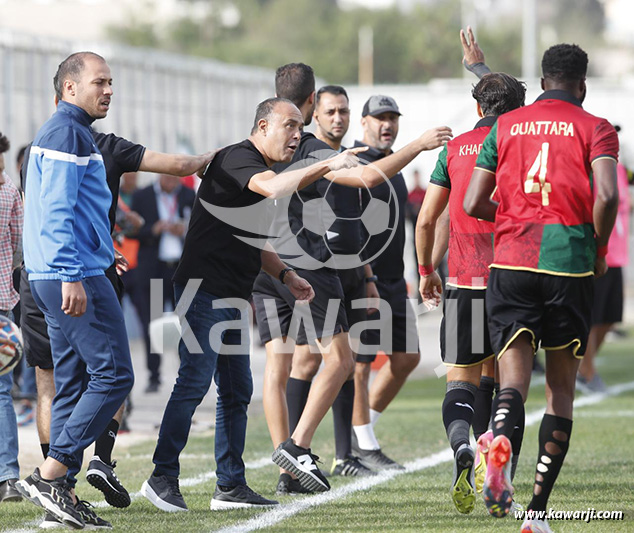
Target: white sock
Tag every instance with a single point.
(366, 438)
(374, 416)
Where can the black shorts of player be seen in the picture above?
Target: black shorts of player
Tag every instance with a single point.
(353, 285)
(326, 312)
(37, 345)
(608, 297)
(464, 332)
(555, 310)
(404, 336)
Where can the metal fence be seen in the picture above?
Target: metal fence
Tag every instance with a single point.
(164, 101)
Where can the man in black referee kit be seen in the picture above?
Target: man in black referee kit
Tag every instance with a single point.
(217, 268)
(296, 82)
(380, 121)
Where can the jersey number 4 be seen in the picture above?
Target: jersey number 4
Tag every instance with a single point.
(539, 169)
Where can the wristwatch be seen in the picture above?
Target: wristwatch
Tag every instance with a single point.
(285, 271)
(372, 279)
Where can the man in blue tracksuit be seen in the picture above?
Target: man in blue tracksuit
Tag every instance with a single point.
(67, 248)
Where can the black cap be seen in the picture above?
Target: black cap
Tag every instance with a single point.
(378, 104)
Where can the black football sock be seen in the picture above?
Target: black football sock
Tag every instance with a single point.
(296, 395)
(554, 439)
(506, 411)
(342, 418)
(105, 442)
(482, 406)
(516, 441)
(45, 446)
(457, 412)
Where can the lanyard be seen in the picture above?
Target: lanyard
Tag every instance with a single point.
(170, 203)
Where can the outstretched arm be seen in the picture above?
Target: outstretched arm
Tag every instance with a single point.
(174, 164)
(473, 58)
(387, 167)
(272, 185)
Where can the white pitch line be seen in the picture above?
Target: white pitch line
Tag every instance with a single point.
(282, 512)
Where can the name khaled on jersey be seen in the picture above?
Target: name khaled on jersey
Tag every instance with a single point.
(542, 127)
(470, 149)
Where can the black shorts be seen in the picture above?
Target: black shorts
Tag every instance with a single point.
(353, 285)
(401, 325)
(327, 287)
(464, 332)
(37, 345)
(554, 309)
(608, 297)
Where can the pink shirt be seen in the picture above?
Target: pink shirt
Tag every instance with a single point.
(618, 255)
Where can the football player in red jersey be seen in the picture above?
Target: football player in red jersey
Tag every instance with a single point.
(465, 345)
(551, 237)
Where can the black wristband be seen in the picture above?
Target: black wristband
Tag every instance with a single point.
(285, 271)
(479, 69)
(372, 279)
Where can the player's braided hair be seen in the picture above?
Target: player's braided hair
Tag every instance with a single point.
(71, 68)
(564, 62)
(498, 93)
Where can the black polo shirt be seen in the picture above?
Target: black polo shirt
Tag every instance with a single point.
(213, 250)
(389, 265)
(346, 234)
(310, 151)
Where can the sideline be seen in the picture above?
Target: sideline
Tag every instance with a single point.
(284, 511)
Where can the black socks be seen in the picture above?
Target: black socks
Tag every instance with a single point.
(105, 442)
(457, 412)
(554, 439)
(296, 395)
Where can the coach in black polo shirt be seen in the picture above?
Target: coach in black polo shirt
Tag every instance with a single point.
(221, 265)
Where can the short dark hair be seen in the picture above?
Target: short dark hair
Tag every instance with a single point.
(4, 144)
(21, 153)
(498, 93)
(265, 109)
(71, 68)
(295, 82)
(337, 90)
(564, 62)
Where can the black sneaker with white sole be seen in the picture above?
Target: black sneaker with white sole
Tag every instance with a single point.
(238, 497)
(52, 495)
(374, 459)
(164, 493)
(101, 476)
(89, 516)
(289, 486)
(350, 467)
(301, 462)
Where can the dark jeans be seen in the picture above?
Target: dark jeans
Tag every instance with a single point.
(232, 374)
